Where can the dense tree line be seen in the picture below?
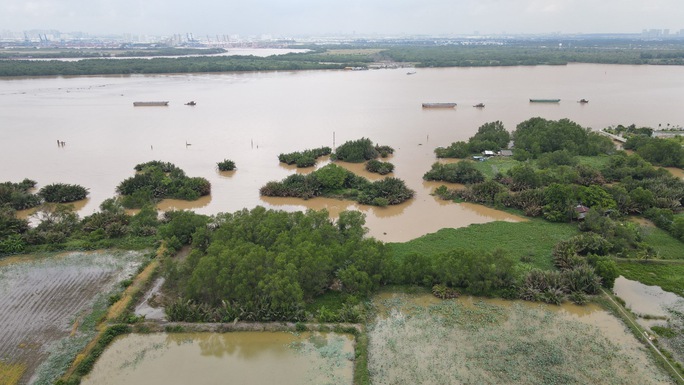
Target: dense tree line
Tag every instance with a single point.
(529, 53)
(335, 181)
(166, 65)
(157, 180)
(432, 54)
(102, 53)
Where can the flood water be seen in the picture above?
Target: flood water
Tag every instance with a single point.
(252, 117)
(644, 299)
(229, 358)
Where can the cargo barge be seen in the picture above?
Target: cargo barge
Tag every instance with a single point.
(544, 100)
(439, 105)
(150, 104)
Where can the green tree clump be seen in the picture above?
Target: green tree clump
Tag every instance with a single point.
(361, 150)
(158, 180)
(538, 136)
(461, 172)
(376, 166)
(63, 193)
(490, 136)
(662, 152)
(17, 195)
(335, 181)
(306, 158)
(226, 165)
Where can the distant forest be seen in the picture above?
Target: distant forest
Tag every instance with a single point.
(433, 53)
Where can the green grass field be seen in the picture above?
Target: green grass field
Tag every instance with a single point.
(665, 244)
(532, 241)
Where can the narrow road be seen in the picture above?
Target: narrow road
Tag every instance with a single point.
(644, 335)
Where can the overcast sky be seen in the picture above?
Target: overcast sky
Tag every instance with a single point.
(363, 17)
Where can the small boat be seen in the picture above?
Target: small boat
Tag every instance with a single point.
(439, 105)
(583, 101)
(150, 104)
(411, 73)
(544, 100)
(191, 103)
(479, 105)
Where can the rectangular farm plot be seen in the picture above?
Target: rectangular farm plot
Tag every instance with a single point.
(44, 300)
(247, 358)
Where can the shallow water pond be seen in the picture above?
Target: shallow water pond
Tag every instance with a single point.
(226, 358)
(644, 299)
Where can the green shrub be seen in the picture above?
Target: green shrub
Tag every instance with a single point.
(226, 165)
(376, 166)
(63, 193)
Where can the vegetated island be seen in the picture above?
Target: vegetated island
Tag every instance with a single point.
(157, 180)
(226, 165)
(336, 182)
(306, 158)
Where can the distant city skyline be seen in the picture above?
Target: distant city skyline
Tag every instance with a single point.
(351, 17)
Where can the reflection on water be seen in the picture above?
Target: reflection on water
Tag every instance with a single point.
(252, 117)
(78, 206)
(179, 204)
(226, 358)
(644, 299)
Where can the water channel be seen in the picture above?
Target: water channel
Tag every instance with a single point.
(252, 117)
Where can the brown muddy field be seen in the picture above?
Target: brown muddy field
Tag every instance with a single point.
(45, 299)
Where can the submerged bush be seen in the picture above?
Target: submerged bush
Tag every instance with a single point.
(361, 150)
(306, 158)
(379, 167)
(63, 193)
(226, 165)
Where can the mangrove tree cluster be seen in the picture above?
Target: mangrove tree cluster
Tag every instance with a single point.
(306, 158)
(266, 265)
(361, 150)
(157, 180)
(337, 182)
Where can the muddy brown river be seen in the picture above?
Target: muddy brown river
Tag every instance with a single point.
(252, 117)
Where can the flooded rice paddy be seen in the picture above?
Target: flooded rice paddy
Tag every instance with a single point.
(249, 358)
(250, 118)
(44, 301)
(421, 340)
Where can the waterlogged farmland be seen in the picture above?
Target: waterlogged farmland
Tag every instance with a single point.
(50, 308)
(237, 357)
(420, 340)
